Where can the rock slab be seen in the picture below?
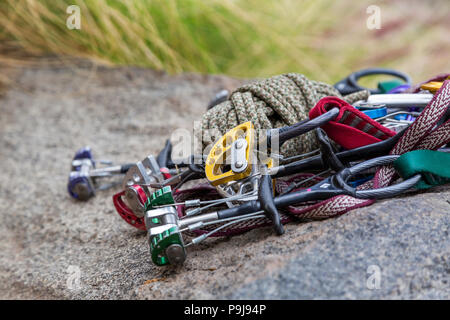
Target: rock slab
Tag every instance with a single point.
(52, 246)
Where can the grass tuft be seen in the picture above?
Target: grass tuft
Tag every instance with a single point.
(323, 39)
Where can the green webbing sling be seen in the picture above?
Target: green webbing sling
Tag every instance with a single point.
(433, 165)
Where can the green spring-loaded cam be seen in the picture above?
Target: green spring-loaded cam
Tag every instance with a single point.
(167, 247)
(160, 197)
(166, 243)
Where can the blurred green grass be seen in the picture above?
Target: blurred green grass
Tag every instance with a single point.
(323, 39)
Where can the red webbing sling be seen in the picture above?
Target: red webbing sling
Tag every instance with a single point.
(351, 128)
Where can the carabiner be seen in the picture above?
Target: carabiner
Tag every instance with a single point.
(350, 84)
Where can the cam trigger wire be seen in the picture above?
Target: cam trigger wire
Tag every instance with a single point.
(209, 203)
(199, 239)
(188, 177)
(300, 156)
(198, 225)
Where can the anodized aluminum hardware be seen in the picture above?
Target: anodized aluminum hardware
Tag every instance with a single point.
(397, 100)
(160, 197)
(133, 193)
(142, 173)
(165, 240)
(81, 186)
(433, 86)
(217, 161)
(157, 217)
(83, 178)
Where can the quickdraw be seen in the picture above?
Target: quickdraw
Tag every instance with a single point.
(350, 84)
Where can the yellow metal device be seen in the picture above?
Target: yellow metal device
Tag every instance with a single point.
(221, 167)
(432, 86)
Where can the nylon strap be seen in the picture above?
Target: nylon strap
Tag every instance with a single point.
(351, 128)
(419, 131)
(433, 165)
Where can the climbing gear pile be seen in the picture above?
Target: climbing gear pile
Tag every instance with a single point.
(317, 154)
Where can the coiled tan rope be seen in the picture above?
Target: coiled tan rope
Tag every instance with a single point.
(272, 103)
